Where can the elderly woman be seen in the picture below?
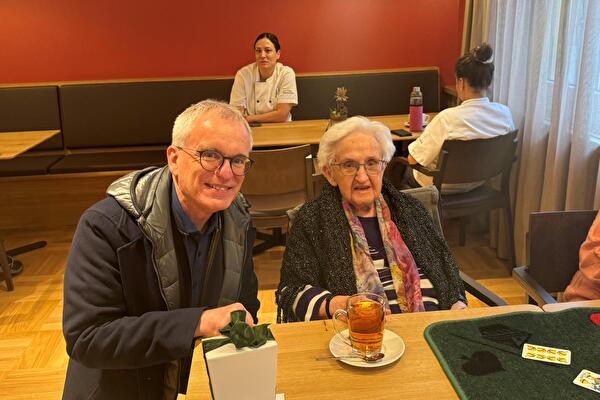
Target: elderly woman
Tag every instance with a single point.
(363, 235)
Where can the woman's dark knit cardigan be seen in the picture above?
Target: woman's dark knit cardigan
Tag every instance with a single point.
(318, 249)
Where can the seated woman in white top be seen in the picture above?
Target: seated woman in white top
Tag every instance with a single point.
(475, 118)
(265, 91)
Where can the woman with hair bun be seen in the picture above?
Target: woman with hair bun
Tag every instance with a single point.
(475, 118)
(265, 91)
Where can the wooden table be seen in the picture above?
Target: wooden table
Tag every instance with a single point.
(564, 306)
(416, 375)
(296, 133)
(13, 144)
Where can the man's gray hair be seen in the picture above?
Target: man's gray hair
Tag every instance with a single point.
(184, 123)
(337, 132)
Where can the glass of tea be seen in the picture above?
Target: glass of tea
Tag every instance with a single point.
(365, 316)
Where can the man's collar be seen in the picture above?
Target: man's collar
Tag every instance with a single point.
(184, 223)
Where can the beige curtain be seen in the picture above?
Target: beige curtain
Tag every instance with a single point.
(476, 24)
(547, 72)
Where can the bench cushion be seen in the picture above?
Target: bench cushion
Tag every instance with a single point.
(31, 108)
(109, 161)
(130, 114)
(370, 93)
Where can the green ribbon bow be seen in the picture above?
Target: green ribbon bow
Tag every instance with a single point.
(240, 334)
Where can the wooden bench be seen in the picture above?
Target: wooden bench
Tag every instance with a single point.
(109, 128)
(125, 125)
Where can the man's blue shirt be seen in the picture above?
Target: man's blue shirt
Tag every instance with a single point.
(196, 243)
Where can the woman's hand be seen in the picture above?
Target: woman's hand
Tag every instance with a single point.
(337, 302)
(279, 114)
(459, 305)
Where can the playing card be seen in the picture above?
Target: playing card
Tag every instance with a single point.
(589, 380)
(546, 354)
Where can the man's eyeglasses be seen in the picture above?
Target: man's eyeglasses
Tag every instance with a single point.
(372, 167)
(212, 160)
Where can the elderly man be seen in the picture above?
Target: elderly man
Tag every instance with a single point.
(164, 259)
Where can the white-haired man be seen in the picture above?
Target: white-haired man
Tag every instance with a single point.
(164, 259)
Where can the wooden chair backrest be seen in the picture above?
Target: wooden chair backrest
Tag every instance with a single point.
(278, 171)
(476, 160)
(554, 241)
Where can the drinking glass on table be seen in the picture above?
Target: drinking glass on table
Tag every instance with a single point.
(365, 316)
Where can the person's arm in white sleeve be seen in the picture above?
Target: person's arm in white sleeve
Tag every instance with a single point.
(287, 97)
(427, 147)
(238, 97)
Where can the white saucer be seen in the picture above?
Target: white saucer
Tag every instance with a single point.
(392, 347)
(407, 124)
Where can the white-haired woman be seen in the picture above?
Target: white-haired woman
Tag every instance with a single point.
(363, 235)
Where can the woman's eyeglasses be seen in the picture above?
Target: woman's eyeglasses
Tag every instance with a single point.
(372, 167)
(212, 160)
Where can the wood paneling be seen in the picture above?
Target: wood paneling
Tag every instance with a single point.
(49, 201)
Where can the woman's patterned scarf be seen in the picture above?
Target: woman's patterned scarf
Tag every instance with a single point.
(402, 265)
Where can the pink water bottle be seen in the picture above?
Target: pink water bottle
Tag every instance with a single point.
(416, 110)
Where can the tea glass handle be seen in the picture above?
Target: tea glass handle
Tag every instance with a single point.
(337, 313)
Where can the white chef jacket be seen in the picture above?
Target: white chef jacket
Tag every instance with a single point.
(261, 97)
(472, 119)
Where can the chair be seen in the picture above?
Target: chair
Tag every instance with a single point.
(554, 240)
(429, 197)
(279, 180)
(463, 161)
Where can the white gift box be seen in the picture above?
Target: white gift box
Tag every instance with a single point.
(248, 373)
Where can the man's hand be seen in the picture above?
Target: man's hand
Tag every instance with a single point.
(212, 320)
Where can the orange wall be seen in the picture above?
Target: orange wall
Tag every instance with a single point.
(64, 40)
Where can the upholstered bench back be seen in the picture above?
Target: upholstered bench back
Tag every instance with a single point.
(130, 113)
(384, 92)
(127, 125)
(31, 108)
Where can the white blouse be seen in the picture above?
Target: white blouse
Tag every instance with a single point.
(261, 97)
(472, 119)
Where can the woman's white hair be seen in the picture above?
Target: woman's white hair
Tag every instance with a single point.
(184, 123)
(331, 138)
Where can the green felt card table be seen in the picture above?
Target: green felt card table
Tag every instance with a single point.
(483, 357)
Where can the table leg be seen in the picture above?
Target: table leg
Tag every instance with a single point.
(6, 271)
(27, 248)
(6, 275)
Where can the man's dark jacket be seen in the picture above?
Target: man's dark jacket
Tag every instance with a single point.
(127, 320)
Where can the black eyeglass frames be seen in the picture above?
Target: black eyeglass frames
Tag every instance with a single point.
(211, 160)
